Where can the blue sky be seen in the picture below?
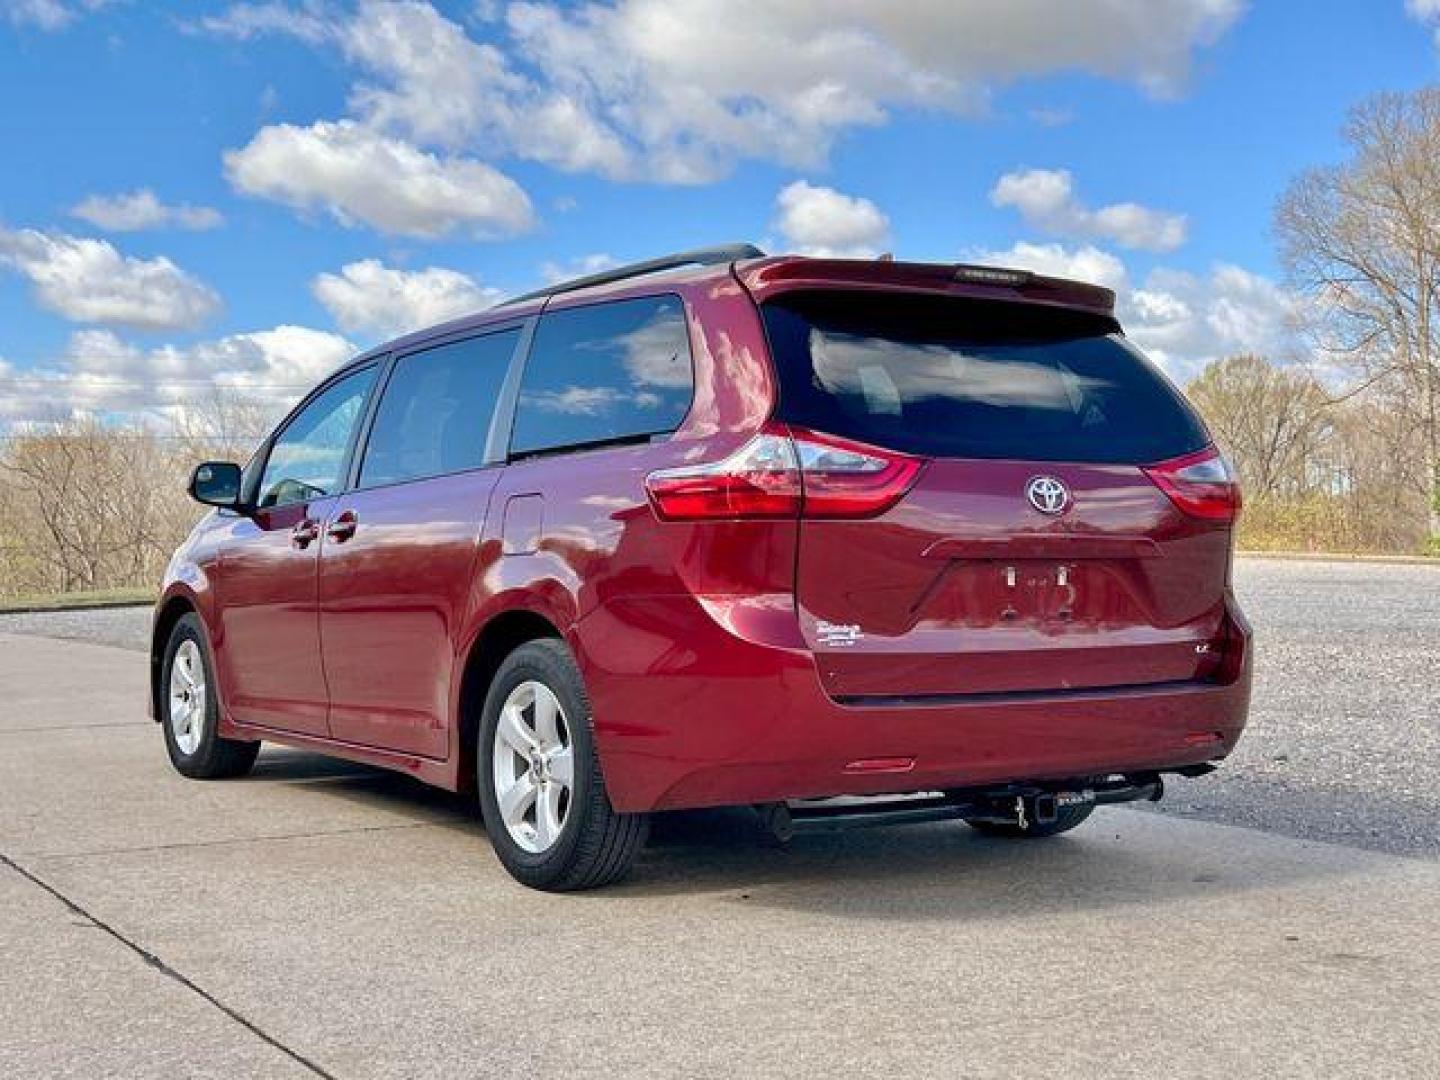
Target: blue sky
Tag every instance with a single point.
(243, 193)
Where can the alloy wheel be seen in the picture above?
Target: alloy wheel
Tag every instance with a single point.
(187, 697)
(533, 766)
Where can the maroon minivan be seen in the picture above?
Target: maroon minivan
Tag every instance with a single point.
(843, 541)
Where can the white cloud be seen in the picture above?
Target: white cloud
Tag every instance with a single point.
(1185, 320)
(431, 82)
(100, 373)
(1425, 11)
(428, 82)
(822, 221)
(582, 400)
(1181, 320)
(141, 209)
(49, 14)
(1081, 264)
(370, 298)
(1047, 201)
(584, 265)
(87, 280)
(359, 176)
(309, 21)
(680, 90)
(693, 85)
(1052, 116)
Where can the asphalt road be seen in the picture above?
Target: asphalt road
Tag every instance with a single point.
(1344, 737)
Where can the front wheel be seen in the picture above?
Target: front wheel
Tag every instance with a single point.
(1066, 818)
(190, 712)
(543, 796)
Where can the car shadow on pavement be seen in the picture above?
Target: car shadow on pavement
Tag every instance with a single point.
(947, 871)
(363, 784)
(941, 871)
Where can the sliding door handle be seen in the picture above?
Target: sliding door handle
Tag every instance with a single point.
(342, 526)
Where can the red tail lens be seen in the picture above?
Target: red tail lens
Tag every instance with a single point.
(845, 479)
(760, 480)
(777, 476)
(1201, 484)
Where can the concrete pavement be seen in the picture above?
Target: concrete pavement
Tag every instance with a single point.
(1344, 736)
(320, 918)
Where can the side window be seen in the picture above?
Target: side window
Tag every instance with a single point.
(605, 372)
(435, 413)
(306, 458)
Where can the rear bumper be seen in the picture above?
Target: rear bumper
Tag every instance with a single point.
(704, 704)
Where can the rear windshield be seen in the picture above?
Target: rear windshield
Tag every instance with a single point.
(943, 377)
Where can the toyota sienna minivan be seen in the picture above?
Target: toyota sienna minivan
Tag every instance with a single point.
(843, 541)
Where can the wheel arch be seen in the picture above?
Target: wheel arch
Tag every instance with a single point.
(174, 608)
(498, 638)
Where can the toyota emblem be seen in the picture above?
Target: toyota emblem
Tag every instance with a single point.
(1047, 494)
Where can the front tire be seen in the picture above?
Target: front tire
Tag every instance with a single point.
(190, 710)
(541, 790)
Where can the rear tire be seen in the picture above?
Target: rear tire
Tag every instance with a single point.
(546, 809)
(1066, 818)
(190, 710)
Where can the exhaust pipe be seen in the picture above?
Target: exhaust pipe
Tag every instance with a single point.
(776, 820)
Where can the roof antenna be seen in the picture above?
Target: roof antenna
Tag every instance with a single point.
(885, 256)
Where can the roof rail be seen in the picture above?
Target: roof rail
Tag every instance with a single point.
(699, 257)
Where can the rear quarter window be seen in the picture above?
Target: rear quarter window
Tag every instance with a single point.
(605, 373)
(943, 377)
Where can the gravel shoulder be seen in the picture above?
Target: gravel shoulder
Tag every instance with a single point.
(123, 628)
(1344, 736)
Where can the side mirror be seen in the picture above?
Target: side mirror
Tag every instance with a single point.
(216, 483)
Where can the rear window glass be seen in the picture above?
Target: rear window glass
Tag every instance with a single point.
(604, 373)
(943, 377)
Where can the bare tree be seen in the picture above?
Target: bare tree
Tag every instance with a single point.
(1364, 238)
(1271, 421)
(224, 424)
(82, 503)
(87, 506)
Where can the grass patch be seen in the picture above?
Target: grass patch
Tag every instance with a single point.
(60, 601)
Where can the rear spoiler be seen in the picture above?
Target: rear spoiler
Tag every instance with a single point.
(769, 277)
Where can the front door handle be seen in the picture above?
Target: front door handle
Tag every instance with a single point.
(343, 526)
(305, 533)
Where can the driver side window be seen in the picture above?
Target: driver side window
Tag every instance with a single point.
(307, 457)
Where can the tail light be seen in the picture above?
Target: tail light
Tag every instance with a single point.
(1201, 484)
(844, 479)
(780, 474)
(760, 480)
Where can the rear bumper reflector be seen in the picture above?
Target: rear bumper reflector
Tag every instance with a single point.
(881, 765)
